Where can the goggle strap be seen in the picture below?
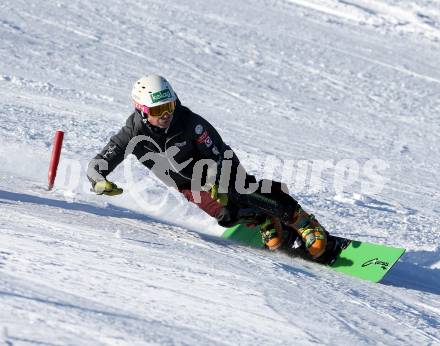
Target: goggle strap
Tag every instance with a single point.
(166, 107)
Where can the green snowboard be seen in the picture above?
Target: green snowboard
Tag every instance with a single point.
(367, 261)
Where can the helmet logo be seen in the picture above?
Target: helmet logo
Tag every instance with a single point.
(161, 95)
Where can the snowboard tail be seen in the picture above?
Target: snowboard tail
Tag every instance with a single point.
(364, 260)
(367, 261)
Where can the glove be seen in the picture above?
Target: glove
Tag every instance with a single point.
(221, 198)
(107, 188)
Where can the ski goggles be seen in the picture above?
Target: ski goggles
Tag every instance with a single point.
(157, 111)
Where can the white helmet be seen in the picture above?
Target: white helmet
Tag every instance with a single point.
(152, 91)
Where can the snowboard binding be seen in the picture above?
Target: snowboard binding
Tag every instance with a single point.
(284, 224)
(296, 247)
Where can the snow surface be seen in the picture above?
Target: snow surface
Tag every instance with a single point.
(292, 86)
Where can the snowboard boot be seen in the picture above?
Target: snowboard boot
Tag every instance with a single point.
(311, 232)
(271, 233)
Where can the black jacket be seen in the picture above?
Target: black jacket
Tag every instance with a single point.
(171, 154)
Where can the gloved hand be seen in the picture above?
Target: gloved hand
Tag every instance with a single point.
(107, 188)
(221, 198)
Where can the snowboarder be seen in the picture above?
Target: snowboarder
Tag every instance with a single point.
(171, 140)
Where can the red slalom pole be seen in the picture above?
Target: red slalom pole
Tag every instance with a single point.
(55, 158)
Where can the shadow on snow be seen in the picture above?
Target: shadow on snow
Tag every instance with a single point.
(404, 273)
(111, 210)
(414, 276)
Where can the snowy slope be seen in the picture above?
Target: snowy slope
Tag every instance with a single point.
(293, 86)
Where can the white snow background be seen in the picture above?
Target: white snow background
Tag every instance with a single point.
(288, 83)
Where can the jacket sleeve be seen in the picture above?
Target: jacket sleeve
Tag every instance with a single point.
(112, 154)
(210, 145)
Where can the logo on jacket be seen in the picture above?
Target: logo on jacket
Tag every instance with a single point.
(198, 129)
(203, 137)
(110, 150)
(208, 142)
